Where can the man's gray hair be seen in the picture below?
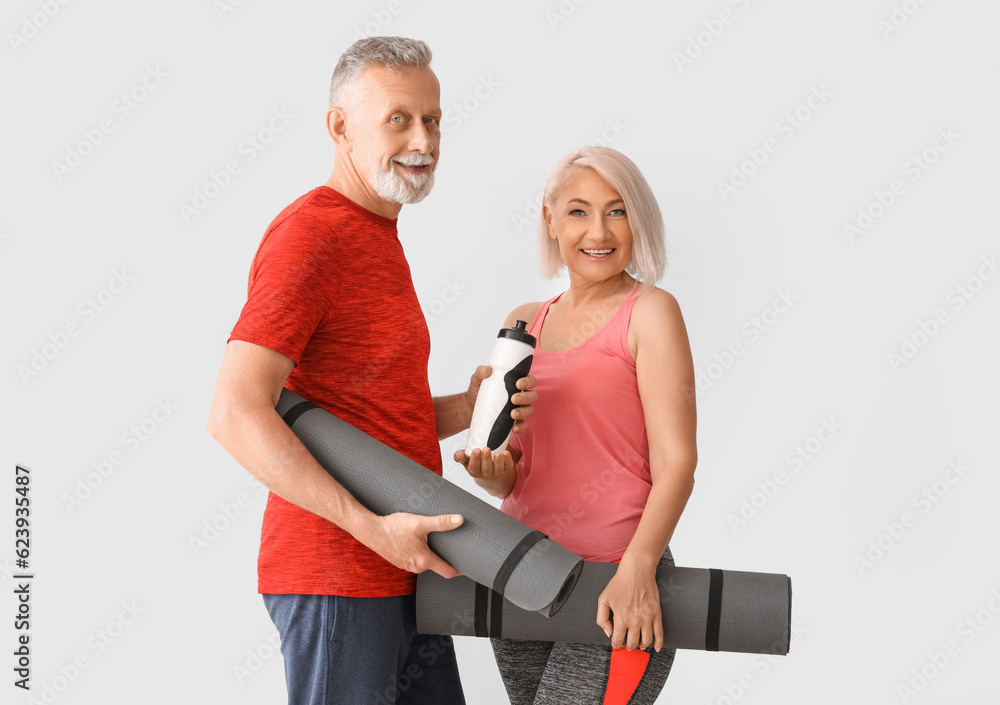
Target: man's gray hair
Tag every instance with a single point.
(391, 52)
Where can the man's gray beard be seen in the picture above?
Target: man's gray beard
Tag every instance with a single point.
(397, 188)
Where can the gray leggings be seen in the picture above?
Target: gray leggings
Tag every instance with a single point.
(547, 673)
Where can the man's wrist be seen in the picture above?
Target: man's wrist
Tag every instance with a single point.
(363, 525)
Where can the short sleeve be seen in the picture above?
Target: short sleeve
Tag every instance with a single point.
(294, 284)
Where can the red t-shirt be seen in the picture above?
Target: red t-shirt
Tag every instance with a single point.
(330, 288)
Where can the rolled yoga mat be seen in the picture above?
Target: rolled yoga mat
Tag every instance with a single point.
(491, 548)
(704, 609)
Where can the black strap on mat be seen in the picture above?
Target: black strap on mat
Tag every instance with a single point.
(514, 557)
(714, 609)
(293, 414)
(500, 582)
(496, 615)
(482, 600)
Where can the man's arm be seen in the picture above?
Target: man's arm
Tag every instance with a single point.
(453, 413)
(243, 420)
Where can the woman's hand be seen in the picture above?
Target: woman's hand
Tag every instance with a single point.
(632, 599)
(524, 398)
(494, 472)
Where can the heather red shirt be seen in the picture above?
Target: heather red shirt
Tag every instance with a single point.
(330, 288)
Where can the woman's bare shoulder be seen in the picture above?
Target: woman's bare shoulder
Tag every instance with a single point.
(656, 305)
(655, 314)
(524, 312)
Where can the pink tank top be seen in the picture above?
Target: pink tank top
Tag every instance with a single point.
(583, 477)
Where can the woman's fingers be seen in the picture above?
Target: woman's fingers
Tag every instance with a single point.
(484, 464)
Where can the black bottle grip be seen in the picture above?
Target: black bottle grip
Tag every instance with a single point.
(504, 423)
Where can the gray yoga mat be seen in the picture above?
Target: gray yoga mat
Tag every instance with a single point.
(708, 610)
(491, 548)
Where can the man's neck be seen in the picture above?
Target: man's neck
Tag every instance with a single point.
(347, 181)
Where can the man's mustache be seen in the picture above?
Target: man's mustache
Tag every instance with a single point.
(415, 160)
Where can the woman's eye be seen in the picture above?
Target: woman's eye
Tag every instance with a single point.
(576, 211)
(618, 212)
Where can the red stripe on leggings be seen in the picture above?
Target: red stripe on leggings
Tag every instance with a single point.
(624, 675)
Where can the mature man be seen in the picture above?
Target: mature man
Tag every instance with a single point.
(331, 313)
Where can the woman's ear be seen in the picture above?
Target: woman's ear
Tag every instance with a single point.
(547, 215)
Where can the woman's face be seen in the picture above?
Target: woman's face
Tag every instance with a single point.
(591, 226)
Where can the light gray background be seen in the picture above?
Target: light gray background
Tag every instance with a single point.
(550, 77)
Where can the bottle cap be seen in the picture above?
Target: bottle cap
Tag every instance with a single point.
(518, 333)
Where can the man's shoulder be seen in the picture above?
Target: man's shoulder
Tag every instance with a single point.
(322, 211)
(310, 210)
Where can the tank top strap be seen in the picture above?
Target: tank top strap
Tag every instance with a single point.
(616, 334)
(536, 323)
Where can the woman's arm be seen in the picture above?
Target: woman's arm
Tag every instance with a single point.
(665, 375)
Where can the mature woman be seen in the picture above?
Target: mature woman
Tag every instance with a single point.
(607, 463)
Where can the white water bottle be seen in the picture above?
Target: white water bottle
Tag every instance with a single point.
(510, 360)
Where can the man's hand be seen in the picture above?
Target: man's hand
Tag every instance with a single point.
(524, 398)
(402, 540)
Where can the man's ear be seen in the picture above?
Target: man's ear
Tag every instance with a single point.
(336, 125)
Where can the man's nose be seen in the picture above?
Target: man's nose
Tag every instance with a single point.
(421, 140)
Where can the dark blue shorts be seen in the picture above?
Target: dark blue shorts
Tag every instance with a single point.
(361, 651)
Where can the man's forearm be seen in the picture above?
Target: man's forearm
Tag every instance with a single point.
(263, 444)
(452, 414)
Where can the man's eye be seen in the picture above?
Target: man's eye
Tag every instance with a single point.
(397, 118)
(432, 120)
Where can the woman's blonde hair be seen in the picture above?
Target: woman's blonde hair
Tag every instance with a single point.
(649, 257)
